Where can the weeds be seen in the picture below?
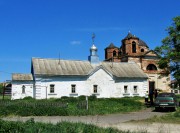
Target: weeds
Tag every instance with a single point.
(63, 127)
(67, 106)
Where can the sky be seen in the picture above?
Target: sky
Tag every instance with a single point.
(64, 28)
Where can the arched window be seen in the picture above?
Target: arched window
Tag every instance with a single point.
(134, 47)
(124, 49)
(23, 89)
(106, 55)
(142, 50)
(151, 67)
(114, 53)
(119, 53)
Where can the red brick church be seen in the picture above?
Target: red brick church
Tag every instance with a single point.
(133, 49)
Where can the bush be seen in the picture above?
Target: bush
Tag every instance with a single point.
(64, 97)
(92, 97)
(177, 113)
(82, 97)
(28, 98)
(1, 88)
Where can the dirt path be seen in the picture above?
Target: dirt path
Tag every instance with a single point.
(112, 120)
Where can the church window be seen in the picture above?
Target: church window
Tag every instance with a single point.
(134, 47)
(106, 55)
(73, 88)
(125, 89)
(142, 50)
(95, 88)
(151, 67)
(114, 53)
(135, 89)
(124, 48)
(119, 53)
(23, 89)
(52, 88)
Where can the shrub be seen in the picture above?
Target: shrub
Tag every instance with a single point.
(177, 113)
(28, 98)
(92, 97)
(64, 97)
(82, 97)
(73, 99)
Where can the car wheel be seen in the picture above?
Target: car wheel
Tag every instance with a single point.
(157, 109)
(173, 108)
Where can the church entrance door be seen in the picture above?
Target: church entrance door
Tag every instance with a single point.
(151, 91)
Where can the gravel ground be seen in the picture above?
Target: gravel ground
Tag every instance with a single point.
(112, 120)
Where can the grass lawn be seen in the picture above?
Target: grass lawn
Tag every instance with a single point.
(68, 106)
(5, 97)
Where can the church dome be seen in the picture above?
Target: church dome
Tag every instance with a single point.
(142, 43)
(129, 36)
(111, 46)
(93, 47)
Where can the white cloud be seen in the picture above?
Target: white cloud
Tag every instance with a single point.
(75, 42)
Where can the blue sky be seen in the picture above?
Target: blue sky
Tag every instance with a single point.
(45, 28)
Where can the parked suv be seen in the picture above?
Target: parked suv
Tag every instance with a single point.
(166, 100)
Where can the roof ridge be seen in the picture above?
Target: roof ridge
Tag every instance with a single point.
(59, 59)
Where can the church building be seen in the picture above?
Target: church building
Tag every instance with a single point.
(123, 74)
(133, 49)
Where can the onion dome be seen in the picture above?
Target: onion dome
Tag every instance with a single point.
(93, 48)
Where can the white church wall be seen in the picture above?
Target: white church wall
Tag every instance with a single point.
(104, 82)
(63, 87)
(107, 86)
(21, 89)
(131, 87)
(83, 85)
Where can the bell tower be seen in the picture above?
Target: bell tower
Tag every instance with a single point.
(130, 44)
(112, 53)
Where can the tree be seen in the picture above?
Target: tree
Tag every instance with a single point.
(169, 51)
(1, 88)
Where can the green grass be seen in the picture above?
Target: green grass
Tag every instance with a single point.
(178, 96)
(5, 97)
(172, 117)
(63, 127)
(69, 106)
